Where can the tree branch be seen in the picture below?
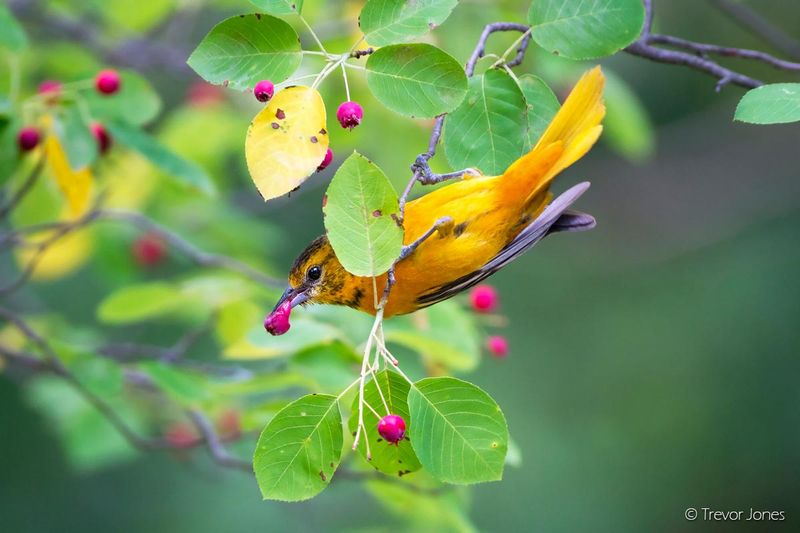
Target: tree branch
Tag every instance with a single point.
(760, 27)
(643, 48)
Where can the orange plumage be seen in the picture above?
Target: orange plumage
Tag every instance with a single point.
(494, 220)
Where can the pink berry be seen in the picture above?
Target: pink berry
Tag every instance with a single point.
(28, 138)
(392, 428)
(349, 114)
(107, 81)
(102, 137)
(484, 298)
(327, 160)
(229, 423)
(498, 346)
(277, 322)
(149, 250)
(181, 435)
(201, 94)
(264, 90)
(51, 90)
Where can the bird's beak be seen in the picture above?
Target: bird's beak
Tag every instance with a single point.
(295, 296)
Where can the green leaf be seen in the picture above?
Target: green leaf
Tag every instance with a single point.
(98, 375)
(627, 127)
(279, 7)
(393, 459)
(137, 16)
(89, 440)
(416, 80)
(459, 433)
(396, 21)
(423, 508)
(75, 136)
(136, 303)
(183, 171)
(448, 336)
(488, 129)
(135, 103)
(360, 217)
(777, 103)
(586, 29)
(332, 366)
(12, 36)
(299, 450)
(183, 386)
(242, 50)
(542, 106)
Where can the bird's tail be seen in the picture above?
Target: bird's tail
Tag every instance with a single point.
(571, 134)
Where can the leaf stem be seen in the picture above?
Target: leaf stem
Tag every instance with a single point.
(313, 34)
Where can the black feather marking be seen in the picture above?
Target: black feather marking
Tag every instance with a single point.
(555, 217)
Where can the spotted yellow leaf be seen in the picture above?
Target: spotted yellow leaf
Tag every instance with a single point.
(286, 141)
(75, 185)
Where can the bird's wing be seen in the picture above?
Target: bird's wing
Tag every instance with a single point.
(555, 218)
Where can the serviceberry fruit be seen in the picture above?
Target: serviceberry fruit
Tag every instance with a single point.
(277, 322)
(264, 90)
(149, 250)
(102, 137)
(107, 81)
(28, 138)
(392, 428)
(51, 90)
(327, 160)
(498, 346)
(484, 298)
(349, 114)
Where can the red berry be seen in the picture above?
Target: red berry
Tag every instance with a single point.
(181, 435)
(392, 428)
(484, 298)
(28, 138)
(202, 94)
(349, 114)
(149, 250)
(229, 424)
(102, 136)
(277, 322)
(264, 90)
(498, 346)
(51, 90)
(327, 160)
(107, 81)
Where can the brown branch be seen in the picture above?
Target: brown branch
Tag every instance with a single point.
(216, 448)
(643, 47)
(760, 27)
(195, 254)
(23, 190)
(703, 49)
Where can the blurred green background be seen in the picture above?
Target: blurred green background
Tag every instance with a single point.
(654, 361)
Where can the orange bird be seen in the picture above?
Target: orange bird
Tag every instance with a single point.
(491, 220)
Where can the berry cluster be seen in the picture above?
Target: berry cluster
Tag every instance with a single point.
(484, 299)
(349, 114)
(107, 82)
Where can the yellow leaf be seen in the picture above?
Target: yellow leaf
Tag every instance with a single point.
(75, 185)
(286, 141)
(60, 258)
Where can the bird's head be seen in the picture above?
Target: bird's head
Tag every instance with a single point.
(316, 277)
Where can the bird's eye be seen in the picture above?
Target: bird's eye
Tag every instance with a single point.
(314, 273)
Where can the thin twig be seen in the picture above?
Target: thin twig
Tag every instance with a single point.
(760, 27)
(643, 47)
(196, 255)
(726, 51)
(23, 190)
(216, 448)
